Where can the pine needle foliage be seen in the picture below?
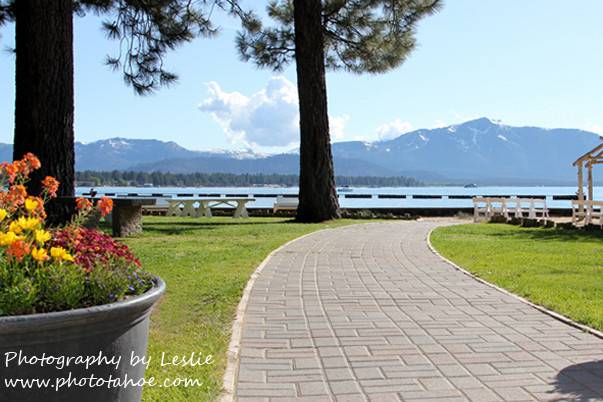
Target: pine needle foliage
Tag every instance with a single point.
(361, 36)
(145, 30)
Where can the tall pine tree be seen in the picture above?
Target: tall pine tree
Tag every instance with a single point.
(44, 101)
(360, 36)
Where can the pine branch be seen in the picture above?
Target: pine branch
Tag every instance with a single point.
(360, 35)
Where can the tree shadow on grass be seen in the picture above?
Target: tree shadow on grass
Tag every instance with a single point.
(179, 227)
(580, 382)
(208, 223)
(555, 234)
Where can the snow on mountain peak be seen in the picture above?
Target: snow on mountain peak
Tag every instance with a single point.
(482, 122)
(118, 143)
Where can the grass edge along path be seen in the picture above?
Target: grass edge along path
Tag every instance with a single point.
(206, 264)
(561, 270)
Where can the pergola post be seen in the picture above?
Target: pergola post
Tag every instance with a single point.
(592, 157)
(589, 165)
(580, 188)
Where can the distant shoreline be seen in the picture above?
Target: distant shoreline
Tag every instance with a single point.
(355, 197)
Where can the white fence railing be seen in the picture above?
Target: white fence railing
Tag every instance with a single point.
(485, 208)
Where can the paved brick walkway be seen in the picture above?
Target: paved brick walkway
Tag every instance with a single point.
(369, 313)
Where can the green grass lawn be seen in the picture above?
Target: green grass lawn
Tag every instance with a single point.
(559, 269)
(206, 264)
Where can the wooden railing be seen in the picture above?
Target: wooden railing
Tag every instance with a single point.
(485, 208)
(587, 212)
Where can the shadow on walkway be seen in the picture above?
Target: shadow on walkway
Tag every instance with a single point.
(581, 382)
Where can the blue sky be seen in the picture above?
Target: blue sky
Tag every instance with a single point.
(537, 62)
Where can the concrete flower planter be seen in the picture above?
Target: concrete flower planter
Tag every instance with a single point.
(36, 346)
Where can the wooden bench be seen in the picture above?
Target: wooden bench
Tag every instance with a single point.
(284, 203)
(196, 207)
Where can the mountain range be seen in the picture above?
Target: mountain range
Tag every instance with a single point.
(481, 151)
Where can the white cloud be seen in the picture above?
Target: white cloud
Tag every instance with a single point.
(461, 118)
(596, 129)
(337, 126)
(267, 118)
(440, 124)
(393, 129)
(457, 119)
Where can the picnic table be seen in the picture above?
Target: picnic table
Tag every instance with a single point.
(197, 207)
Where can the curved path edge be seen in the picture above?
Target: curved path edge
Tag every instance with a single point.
(229, 379)
(560, 317)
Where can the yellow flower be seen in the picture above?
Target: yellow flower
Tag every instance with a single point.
(3, 214)
(30, 204)
(60, 254)
(14, 227)
(39, 254)
(42, 236)
(6, 239)
(28, 223)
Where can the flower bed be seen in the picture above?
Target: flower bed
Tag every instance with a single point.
(69, 292)
(53, 269)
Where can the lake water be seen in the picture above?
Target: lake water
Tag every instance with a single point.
(357, 197)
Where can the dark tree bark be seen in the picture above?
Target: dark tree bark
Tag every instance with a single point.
(44, 105)
(317, 193)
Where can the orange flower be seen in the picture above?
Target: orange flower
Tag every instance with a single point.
(18, 190)
(18, 250)
(51, 186)
(22, 167)
(105, 206)
(32, 161)
(17, 194)
(9, 170)
(83, 203)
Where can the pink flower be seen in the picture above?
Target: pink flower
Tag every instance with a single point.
(92, 249)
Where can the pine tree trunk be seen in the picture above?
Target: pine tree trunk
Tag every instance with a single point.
(317, 193)
(44, 104)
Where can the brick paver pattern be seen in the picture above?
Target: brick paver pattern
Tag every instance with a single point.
(369, 313)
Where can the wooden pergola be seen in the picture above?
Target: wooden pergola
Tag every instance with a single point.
(592, 157)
